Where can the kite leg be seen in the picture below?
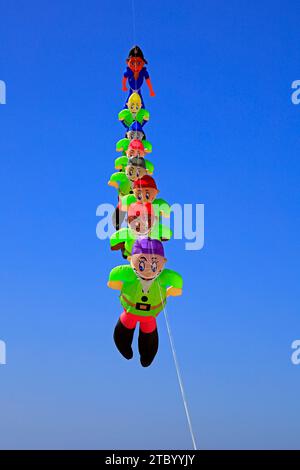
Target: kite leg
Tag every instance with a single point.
(148, 342)
(123, 335)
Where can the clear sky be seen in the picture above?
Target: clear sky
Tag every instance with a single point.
(224, 133)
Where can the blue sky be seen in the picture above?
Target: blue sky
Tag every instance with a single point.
(224, 133)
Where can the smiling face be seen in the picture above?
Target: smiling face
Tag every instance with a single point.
(135, 172)
(132, 135)
(145, 194)
(135, 64)
(147, 266)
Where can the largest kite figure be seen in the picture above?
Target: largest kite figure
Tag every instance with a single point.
(144, 283)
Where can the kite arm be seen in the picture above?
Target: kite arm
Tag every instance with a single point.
(122, 117)
(174, 281)
(174, 291)
(148, 81)
(122, 121)
(116, 285)
(114, 184)
(124, 87)
(146, 117)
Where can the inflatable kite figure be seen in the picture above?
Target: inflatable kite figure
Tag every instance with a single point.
(135, 149)
(144, 286)
(135, 132)
(135, 74)
(145, 192)
(141, 222)
(134, 112)
(143, 283)
(135, 168)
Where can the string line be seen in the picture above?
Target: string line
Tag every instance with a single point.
(171, 339)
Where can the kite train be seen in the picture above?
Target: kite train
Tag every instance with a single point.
(143, 281)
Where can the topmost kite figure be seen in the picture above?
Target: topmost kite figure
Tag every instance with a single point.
(135, 73)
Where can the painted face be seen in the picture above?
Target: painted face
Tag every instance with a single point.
(131, 135)
(135, 172)
(135, 64)
(141, 226)
(145, 194)
(134, 107)
(147, 267)
(135, 153)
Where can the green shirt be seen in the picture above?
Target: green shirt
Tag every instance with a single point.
(123, 144)
(121, 163)
(123, 182)
(159, 205)
(128, 237)
(126, 116)
(132, 290)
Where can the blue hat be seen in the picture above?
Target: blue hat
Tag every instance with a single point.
(136, 127)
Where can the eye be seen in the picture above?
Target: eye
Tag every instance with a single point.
(137, 173)
(147, 195)
(142, 265)
(130, 171)
(154, 266)
(139, 196)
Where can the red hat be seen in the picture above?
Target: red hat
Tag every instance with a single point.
(145, 182)
(136, 144)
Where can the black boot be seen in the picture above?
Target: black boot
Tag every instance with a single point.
(148, 346)
(123, 339)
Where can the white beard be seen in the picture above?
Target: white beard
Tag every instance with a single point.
(146, 284)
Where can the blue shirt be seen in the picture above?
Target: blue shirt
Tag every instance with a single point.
(136, 84)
